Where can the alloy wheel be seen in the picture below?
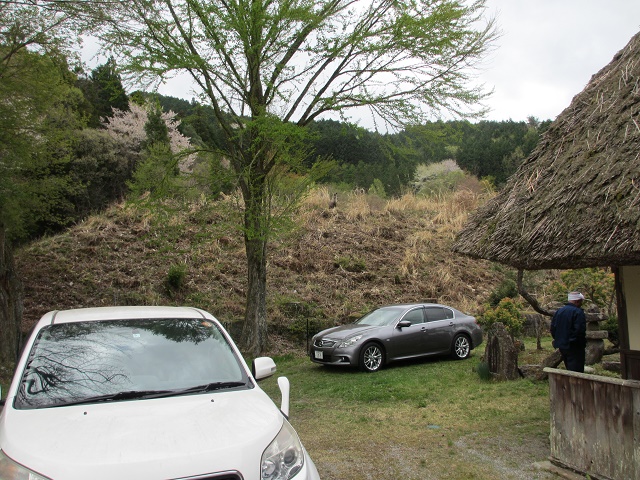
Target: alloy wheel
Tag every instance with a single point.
(462, 347)
(372, 358)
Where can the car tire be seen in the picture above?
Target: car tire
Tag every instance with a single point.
(371, 357)
(461, 348)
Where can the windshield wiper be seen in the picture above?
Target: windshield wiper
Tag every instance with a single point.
(128, 395)
(148, 394)
(209, 387)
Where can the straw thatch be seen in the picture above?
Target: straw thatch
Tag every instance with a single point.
(575, 202)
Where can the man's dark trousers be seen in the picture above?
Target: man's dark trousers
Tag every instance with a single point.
(574, 358)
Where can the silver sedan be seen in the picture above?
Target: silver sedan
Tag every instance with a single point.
(397, 332)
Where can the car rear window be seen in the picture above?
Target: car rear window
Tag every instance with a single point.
(73, 361)
(438, 313)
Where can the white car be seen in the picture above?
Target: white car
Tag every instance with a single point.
(143, 393)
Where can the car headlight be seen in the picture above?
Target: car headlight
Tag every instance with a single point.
(10, 470)
(349, 341)
(284, 457)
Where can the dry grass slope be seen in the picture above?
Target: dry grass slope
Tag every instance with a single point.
(334, 265)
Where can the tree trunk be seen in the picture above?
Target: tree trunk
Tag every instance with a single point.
(256, 235)
(10, 304)
(254, 330)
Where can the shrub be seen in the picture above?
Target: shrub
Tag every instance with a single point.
(350, 264)
(156, 173)
(441, 183)
(506, 312)
(483, 371)
(611, 327)
(489, 183)
(292, 307)
(506, 289)
(377, 188)
(303, 327)
(176, 277)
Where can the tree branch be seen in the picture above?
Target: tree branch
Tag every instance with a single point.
(529, 298)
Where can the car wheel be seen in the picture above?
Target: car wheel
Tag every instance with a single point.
(371, 358)
(461, 347)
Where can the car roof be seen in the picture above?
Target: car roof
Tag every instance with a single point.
(410, 305)
(123, 313)
(407, 306)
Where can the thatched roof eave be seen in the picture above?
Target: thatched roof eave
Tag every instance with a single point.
(575, 201)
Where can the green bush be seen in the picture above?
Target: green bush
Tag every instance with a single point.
(611, 327)
(506, 289)
(350, 264)
(304, 327)
(440, 183)
(156, 173)
(484, 373)
(292, 307)
(377, 188)
(176, 277)
(302, 318)
(506, 312)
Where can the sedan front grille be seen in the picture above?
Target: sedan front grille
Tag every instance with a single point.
(324, 342)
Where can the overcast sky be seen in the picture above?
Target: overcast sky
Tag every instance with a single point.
(549, 49)
(546, 54)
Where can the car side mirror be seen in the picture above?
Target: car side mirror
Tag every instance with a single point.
(404, 324)
(263, 367)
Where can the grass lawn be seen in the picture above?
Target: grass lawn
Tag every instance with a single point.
(427, 419)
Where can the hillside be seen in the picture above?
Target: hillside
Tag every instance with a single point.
(334, 265)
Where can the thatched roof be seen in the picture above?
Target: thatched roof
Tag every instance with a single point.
(575, 201)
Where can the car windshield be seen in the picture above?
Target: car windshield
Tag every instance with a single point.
(72, 363)
(381, 317)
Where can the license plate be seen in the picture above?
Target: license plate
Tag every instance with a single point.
(318, 354)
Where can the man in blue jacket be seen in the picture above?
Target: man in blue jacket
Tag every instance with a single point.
(569, 332)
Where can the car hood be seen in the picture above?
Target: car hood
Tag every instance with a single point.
(346, 331)
(146, 439)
